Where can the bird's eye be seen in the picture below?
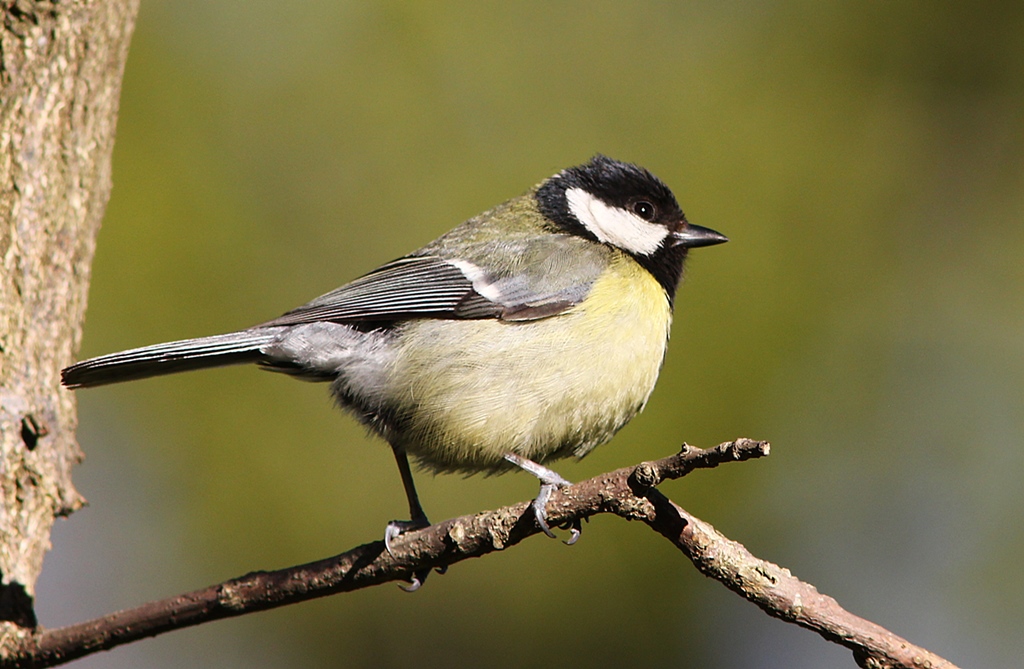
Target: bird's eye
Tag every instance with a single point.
(644, 210)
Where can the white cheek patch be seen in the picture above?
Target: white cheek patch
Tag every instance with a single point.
(615, 226)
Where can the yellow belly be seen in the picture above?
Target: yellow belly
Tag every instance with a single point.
(544, 389)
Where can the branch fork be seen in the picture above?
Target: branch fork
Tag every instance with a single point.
(630, 493)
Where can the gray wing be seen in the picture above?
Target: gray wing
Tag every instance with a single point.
(431, 286)
(408, 287)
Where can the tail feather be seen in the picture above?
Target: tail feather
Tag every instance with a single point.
(176, 356)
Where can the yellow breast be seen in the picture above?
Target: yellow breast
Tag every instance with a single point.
(471, 391)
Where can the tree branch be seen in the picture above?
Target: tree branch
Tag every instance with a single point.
(627, 492)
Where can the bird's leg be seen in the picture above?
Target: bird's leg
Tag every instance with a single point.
(417, 518)
(549, 482)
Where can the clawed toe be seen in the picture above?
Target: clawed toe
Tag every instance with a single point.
(397, 528)
(416, 581)
(540, 504)
(575, 529)
(549, 482)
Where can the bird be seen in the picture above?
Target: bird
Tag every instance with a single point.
(529, 333)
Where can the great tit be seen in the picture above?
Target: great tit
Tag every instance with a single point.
(529, 333)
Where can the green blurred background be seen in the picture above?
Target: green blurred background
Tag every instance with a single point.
(867, 161)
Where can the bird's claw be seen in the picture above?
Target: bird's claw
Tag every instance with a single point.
(418, 578)
(576, 529)
(416, 581)
(396, 528)
(549, 482)
(540, 504)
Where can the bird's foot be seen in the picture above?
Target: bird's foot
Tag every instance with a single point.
(549, 482)
(397, 528)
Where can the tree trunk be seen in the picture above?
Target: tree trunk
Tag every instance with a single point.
(61, 64)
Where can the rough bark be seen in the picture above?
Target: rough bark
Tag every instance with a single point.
(61, 65)
(627, 492)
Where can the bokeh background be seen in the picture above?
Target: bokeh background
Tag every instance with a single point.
(867, 161)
